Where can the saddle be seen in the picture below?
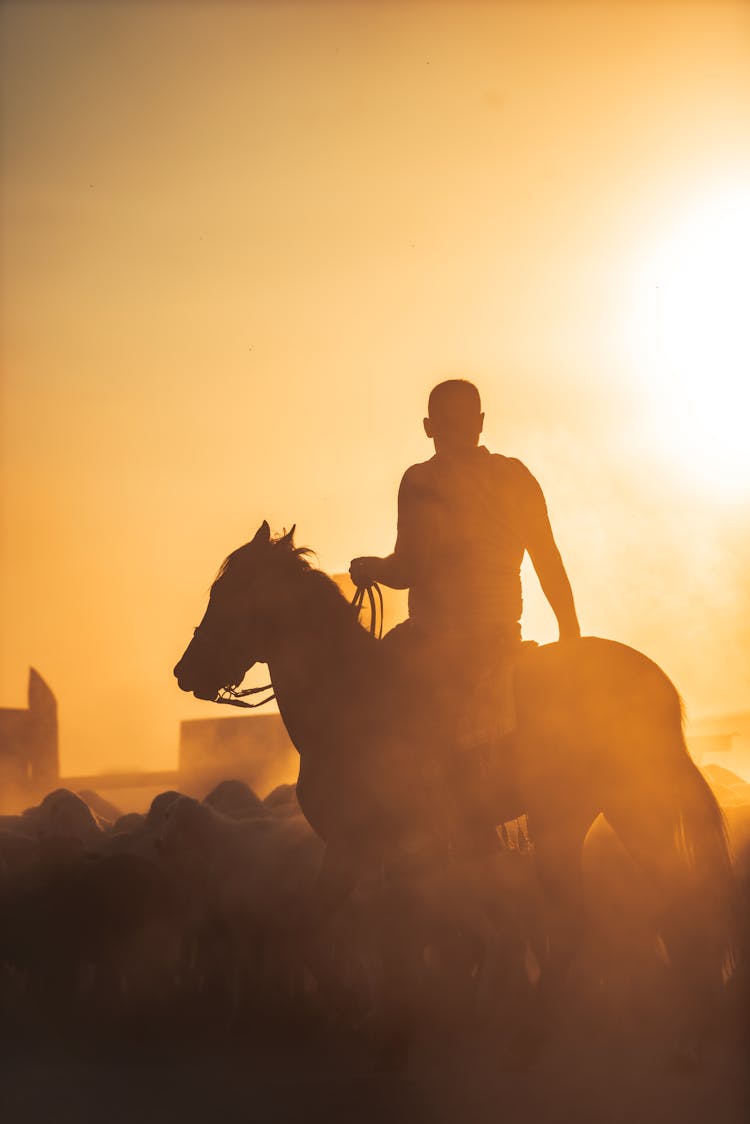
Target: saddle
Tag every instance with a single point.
(487, 715)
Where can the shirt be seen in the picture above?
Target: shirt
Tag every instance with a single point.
(464, 522)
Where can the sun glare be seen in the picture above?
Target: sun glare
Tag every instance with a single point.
(693, 349)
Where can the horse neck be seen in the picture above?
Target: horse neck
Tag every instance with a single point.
(320, 661)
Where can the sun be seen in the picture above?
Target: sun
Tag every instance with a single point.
(693, 341)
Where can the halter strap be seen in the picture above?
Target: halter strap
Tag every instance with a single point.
(229, 697)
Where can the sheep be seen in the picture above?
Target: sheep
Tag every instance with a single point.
(282, 800)
(243, 923)
(159, 808)
(132, 823)
(234, 798)
(64, 815)
(103, 927)
(106, 812)
(19, 853)
(250, 883)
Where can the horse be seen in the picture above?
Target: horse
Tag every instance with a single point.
(599, 731)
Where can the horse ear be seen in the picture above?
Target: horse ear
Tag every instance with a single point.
(263, 534)
(286, 540)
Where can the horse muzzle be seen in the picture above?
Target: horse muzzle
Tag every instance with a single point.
(186, 682)
(205, 693)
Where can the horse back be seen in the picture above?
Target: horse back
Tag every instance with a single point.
(593, 690)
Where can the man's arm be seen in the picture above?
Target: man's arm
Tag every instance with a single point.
(396, 570)
(548, 564)
(388, 571)
(556, 587)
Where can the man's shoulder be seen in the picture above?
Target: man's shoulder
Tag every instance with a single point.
(419, 475)
(511, 467)
(509, 470)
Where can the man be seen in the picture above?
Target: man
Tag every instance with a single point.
(465, 519)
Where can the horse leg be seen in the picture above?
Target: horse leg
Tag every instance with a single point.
(410, 922)
(337, 878)
(558, 847)
(689, 914)
(401, 942)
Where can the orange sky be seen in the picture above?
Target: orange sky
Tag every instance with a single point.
(241, 241)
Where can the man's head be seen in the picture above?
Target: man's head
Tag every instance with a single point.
(455, 417)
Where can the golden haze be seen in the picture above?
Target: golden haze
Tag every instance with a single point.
(240, 243)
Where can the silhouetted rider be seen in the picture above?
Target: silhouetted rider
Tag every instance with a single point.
(465, 519)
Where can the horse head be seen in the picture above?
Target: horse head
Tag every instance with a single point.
(234, 632)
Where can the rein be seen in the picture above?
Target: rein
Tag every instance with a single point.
(373, 591)
(228, 696)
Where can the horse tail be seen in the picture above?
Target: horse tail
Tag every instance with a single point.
(700, 836)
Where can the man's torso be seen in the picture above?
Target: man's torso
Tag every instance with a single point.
(463, 525)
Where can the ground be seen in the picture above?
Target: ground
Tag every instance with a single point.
(304, 1076)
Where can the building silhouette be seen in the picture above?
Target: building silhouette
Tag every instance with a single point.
(29, 756)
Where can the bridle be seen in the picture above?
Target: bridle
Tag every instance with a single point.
(228, 696)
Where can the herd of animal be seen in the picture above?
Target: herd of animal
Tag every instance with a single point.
(213, 909)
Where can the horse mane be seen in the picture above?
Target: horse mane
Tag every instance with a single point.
(295, 560)
(240, 559)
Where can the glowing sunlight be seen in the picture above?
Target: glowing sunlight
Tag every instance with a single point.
(693, 340)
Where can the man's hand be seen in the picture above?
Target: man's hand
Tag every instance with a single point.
(364, 571)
